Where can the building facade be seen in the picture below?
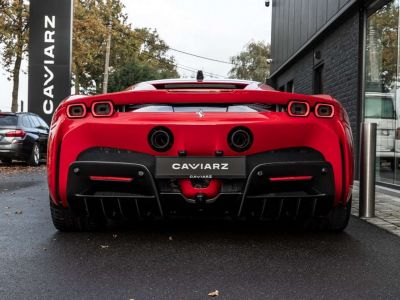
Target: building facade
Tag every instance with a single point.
(348, 49)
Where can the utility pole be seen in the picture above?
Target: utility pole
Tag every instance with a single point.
(107, 64)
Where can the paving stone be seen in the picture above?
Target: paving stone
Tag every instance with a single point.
(387, 211)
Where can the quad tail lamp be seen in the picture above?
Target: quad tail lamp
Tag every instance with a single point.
(100, 109)
(105, 109)
(302, 109)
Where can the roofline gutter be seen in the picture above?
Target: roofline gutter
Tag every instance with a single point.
(341, 12)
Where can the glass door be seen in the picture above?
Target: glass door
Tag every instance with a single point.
(382, 88)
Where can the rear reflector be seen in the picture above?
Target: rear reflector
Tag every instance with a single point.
(290, 178)
(16, 133)
(108, 178)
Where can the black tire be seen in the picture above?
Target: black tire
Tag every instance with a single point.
(6, 161)
(66, 220)
(34, 158)
(339, 217)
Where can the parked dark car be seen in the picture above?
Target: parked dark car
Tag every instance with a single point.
(23, 136)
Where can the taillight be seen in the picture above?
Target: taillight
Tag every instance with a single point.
(324, 110)
(76, 111)
(102, 109)
(298, 109)
(16, 133)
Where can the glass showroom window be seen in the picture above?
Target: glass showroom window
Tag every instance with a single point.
(382, 88)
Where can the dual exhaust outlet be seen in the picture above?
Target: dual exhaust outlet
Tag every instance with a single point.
(161, 139)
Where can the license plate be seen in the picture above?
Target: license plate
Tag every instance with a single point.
(200, 167)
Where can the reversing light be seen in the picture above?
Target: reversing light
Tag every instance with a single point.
(76, 111)
(324, 110)
(298, 109)
(102, 109)
(16, 133)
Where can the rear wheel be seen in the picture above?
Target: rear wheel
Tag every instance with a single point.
(65, 219)
(339, 217)
(34, 158)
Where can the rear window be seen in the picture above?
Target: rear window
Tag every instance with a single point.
(200, 86)
(153, 108)
(8, 120)
(379, 108)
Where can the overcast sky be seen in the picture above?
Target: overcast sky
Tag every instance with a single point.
(213, 28)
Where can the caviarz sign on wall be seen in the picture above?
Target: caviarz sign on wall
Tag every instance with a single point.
(50, 42)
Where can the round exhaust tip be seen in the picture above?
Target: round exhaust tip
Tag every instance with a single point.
(240, 139)
(161, 139)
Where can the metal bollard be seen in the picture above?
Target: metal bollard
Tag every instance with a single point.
(367, 170)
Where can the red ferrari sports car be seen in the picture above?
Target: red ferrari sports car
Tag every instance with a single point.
(225, 148)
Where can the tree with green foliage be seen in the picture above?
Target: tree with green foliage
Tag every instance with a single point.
(382, 47)
(128, 46)
(131, 73)
(90, 31)
(13, 41)
(252, 63)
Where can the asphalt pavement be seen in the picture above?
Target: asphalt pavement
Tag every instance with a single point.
(184, 260)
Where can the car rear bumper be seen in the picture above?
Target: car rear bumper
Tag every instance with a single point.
(13, 151)
(269, 191)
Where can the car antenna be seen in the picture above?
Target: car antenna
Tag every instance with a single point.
(200, 75)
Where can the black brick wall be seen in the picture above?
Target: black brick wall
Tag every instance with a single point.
(295, 22)
(340, 50)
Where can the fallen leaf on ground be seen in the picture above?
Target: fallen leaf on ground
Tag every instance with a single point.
(18, 168)
(170, 238)
(104, 246)
(115, 236)
(214, 294)
(18, 212)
